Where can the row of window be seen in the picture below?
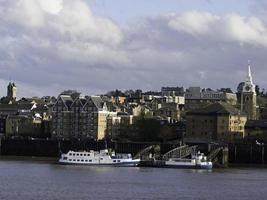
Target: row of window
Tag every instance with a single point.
(79, 154)
(78, 160)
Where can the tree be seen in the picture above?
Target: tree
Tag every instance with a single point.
(226, 90)
(240, 87)
(257, 90)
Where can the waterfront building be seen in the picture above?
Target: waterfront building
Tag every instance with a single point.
(215, 122)
(256, 130)
(248, 97)
(61, 117)
(120, 125)
(84, 117)
(195, 97)
(172, 91)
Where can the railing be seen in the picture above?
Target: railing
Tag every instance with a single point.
(213, 154)
(144, 151)
(180, 152)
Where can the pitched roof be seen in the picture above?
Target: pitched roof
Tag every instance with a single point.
(97, 101)
(67, 100)
(216, 108)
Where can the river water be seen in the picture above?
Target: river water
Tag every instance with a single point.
(32, 180)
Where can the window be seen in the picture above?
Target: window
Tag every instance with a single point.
(114, 160)
(78, 160)
(86, 160)
(70, 159)
(90, 160)
(70, 154)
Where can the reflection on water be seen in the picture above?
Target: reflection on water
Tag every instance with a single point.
(43, 180)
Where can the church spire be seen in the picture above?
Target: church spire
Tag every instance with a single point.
(249, 76)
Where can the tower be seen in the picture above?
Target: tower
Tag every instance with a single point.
(12, 91)
(248, 97)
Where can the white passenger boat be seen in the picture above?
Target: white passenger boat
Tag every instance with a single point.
(198, 161)
(102, 157)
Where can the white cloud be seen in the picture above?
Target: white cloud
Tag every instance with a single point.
(194, 22)
(228, 28)
(51, 45)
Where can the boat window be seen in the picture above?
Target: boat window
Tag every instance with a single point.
(70, 154)
(78, 160)
(84, 154)
(70, 159)
(86, 160)
(74, 159)
(101, 158)
(73, 154)
(90, 160)
(81, 154)
(82, 160)
(65, 158)
(114, 160)
(119, 161)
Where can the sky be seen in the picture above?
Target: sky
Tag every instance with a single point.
(95, 46)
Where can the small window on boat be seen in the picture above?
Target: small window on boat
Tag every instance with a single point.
(86, 160)
(78, 160)
(90, 160)
(114, 160)
(119, 161)
(73, 154)
(84, 154)
(70, 154)
(101, 158)
(65, 158)
(70, 159)
(82, 160)
(81, 154)
(74, 159)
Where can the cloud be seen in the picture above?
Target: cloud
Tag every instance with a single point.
(195, 23)
(228, 28)
(51, 45)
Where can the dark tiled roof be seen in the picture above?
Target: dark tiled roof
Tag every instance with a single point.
(5, 107)
(97, 101)
(216, 108)
(67, 100)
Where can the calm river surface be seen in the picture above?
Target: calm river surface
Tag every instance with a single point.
(34, 180)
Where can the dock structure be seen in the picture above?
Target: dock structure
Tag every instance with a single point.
(146, 151)
(213, 154)
(180, 152)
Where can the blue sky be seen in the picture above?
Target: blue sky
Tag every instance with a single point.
(123, 10)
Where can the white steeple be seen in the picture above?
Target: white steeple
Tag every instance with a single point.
(249, 86)
(249, 76)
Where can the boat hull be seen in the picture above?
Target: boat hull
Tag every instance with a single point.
(187, 166)
(122, 164)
